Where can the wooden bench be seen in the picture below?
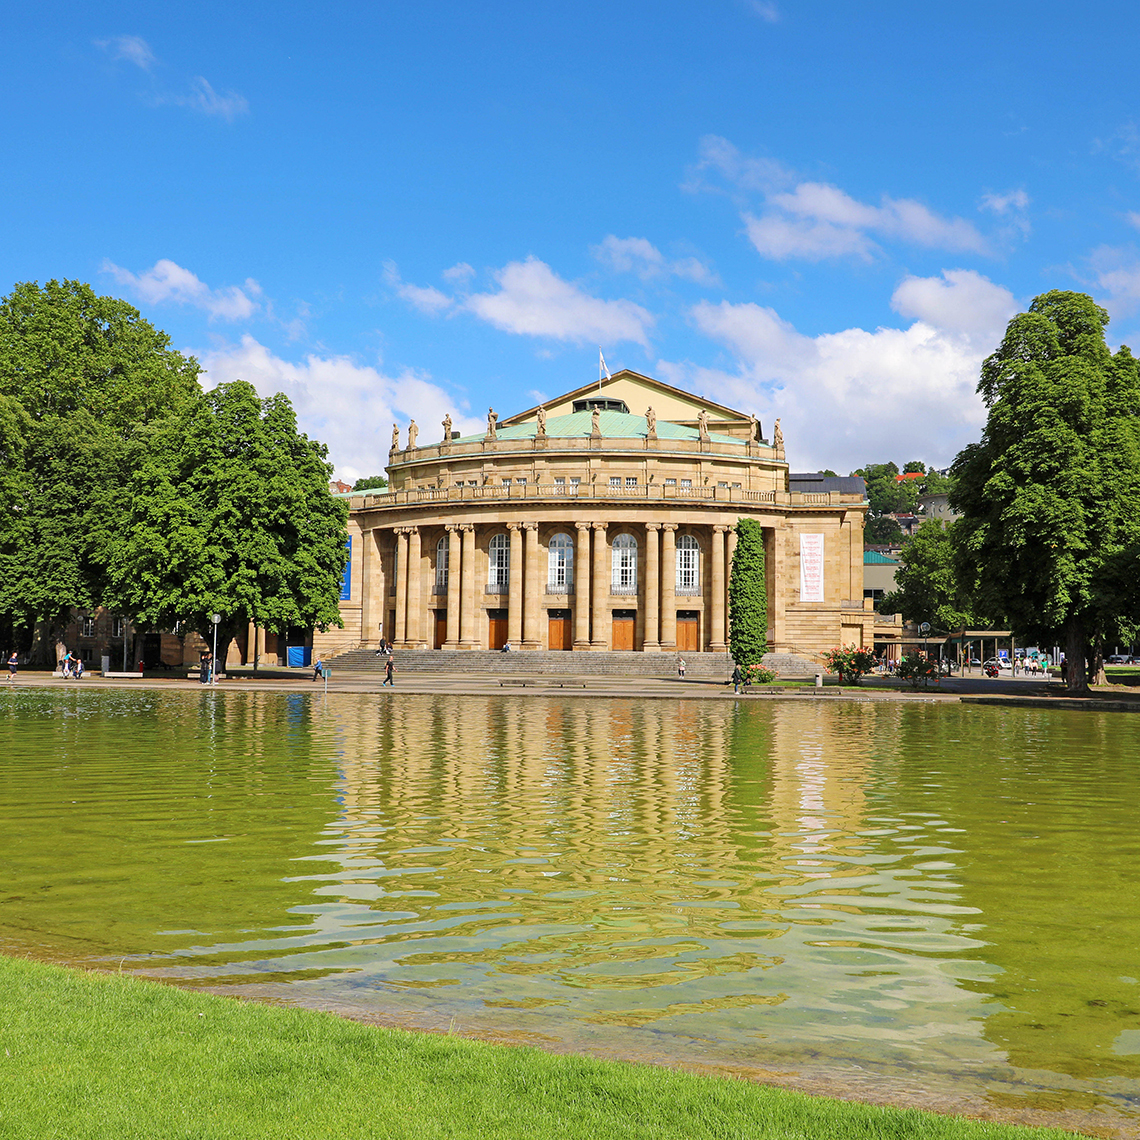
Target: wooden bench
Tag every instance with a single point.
(521, 684)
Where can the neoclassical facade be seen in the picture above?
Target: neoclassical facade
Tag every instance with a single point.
(601, 520)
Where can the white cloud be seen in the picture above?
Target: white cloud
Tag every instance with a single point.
(532, 300)
(133, 49)
(167, 281)
(718, 156)
(1005, 203)
(640, 256)
(346, 405)
(816, 220)
(1116, 272)
(850, 397)
(204, 98)
(766, 11)
(426, 298)
(460, 272)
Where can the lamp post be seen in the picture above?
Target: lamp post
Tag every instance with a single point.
(215, 618)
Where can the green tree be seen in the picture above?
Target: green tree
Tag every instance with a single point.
(927, 583)
(915, 467)
(83, 377)
(882, 531)
(371, 483)
(1048, 497)
(748, 596)
(231, 514)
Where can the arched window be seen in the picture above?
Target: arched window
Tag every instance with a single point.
(499, 570)
(560, 564)
(624, 564)
(442, 552)
(688, 565)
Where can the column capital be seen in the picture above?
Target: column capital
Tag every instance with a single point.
(412, 529)
(530, 526)
(599, 526)
(653, 526)
(467, 528)
(582, 525)
(668, 526)
(720, 528)
(449, 527)
(513, 526)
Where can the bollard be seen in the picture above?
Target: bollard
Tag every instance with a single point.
(819, 680)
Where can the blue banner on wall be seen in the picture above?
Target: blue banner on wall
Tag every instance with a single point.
(346, 581)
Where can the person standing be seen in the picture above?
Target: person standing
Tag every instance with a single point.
(13, 665)
(681, 668)
(389, 669)
(737, 677)
(204, 667)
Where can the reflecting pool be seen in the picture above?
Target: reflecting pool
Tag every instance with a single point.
(920, 902)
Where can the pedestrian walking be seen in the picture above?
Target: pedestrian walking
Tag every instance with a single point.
(318, 666)
(13, 665)
(681, 668)
(737, 678)
(389, 669)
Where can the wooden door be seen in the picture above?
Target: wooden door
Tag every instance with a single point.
(559, 634)
(497, 632)
(688, 633)
(623, 633)
(440, 628)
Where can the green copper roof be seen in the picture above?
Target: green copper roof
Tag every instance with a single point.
(874, 558)
(612, 425)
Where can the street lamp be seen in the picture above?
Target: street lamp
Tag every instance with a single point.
(215, 618)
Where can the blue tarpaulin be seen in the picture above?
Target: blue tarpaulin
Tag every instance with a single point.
(299, 656)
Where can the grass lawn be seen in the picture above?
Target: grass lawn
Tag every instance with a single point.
(110, 1056)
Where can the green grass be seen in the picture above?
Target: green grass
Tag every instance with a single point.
(110, 1056)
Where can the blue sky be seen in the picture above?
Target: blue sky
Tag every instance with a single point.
(824, 212)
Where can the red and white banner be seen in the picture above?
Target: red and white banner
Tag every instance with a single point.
(811, 567)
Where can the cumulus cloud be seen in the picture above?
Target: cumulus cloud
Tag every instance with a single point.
(640, 256)
(816, 220)
(1115, 272)
(133, 49)
(347, 405)
(850, 397)
(167, 281)
(532, 300)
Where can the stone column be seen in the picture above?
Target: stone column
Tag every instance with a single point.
(454, 568)
(401, 631)
(652, 581)
(779, 592)
(601, 587)
(515, 585)
(467, 606)
(533, 586)
(582, 586)
(250, 644)
(668, 587)
(369, 635)
(414, 620)
(716, 625)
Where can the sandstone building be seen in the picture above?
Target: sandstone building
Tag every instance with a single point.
(600, 520)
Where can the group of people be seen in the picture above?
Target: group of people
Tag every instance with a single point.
(70, 666)
(205, 667)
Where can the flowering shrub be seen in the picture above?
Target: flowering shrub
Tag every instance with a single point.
(914, 668)
(758, 675)
(850, 662)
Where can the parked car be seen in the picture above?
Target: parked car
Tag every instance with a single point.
(974, 662)
(1119, 659)
(1000, 662)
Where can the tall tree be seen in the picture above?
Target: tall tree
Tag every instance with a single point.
(81, 376)
(748, 596)
(927, 585)
(1049, 495)
(231, 514)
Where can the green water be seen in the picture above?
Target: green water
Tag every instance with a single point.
(933, 902)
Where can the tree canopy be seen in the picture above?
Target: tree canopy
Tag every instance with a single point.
(927, 586)
(1050, 528)
(230, 513)
(82, 379)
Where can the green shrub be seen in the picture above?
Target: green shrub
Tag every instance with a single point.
(748, 596)
(915, 668)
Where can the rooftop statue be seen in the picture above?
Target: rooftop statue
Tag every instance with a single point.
(777, 436)
(413, 434)
(492, 421)
(650, 423)
(395, 438)
(447, 428)
(596, 423)
(541, 429)
(703, 424)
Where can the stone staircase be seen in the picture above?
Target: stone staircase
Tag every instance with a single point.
(538, 662)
